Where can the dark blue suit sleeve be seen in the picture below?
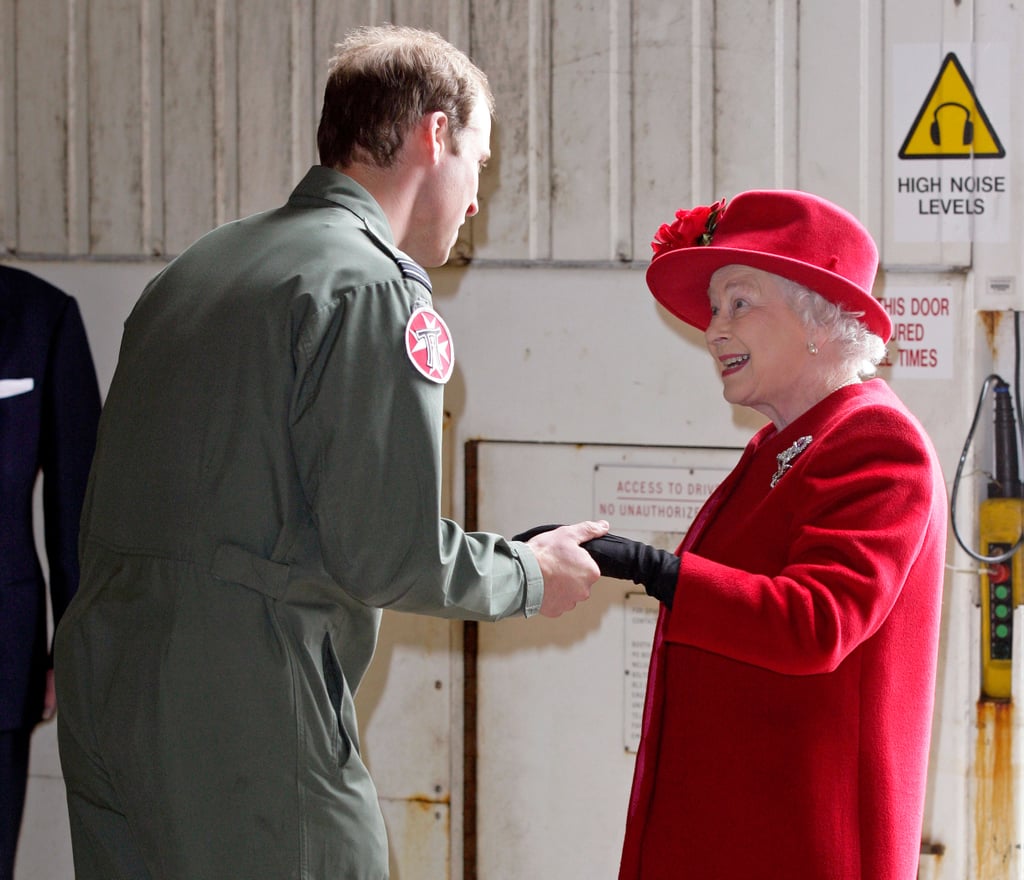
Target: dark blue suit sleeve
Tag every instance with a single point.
(71, 409)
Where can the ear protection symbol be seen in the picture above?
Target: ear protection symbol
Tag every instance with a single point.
(968, 133)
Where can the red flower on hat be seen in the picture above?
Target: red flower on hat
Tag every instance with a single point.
(693, 228)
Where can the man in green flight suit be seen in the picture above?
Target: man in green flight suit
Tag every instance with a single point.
(267, 478)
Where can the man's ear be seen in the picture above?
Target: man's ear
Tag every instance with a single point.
(435, 131)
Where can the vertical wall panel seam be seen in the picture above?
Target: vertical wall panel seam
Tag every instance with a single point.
(220, 169)
(294, 89)
(460, 25)
(314, 65)
(540, 125)
(620, 126)
(698, 147)
(531, 129)
(72, 244)
(79, 188)
(9, 196)
(779, 98)
(864, 127)
(154, 182)
(145, 128)
(614, 134)
(882, 117)
(233, 181)
(696, 68)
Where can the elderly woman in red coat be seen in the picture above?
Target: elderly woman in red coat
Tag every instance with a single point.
(790, 691)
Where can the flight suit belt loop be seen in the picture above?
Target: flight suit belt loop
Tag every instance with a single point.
(238, 565)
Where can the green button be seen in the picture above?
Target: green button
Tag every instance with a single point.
(1002, 611)
(1002, 592)
(1002, 631)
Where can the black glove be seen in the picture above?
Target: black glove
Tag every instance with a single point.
(656, 570)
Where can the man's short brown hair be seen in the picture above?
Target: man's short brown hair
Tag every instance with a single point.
(382, 80)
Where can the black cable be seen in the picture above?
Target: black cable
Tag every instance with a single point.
(960, 466)
(1017, 372)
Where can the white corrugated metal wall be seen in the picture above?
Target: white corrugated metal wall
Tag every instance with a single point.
(127, 129)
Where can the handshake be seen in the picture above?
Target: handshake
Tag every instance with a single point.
(656, 570)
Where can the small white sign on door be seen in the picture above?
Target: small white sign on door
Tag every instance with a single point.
(641, 618)
(639, 498)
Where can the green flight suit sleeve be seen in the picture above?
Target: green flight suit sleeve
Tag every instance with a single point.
(366, 429)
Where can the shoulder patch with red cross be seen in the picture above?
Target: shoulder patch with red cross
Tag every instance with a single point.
(429, 345)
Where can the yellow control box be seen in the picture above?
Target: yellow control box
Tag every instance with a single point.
(1000, 523)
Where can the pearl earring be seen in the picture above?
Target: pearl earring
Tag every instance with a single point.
(812, 347)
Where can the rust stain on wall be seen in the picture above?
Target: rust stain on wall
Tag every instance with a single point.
(994, 820)
(990, 321)
(426, 832)
(427, 801)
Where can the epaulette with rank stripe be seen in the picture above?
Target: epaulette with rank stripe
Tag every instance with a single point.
(413, 270)
(409, 268)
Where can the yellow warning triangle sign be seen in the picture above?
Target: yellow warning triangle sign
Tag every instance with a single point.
(951, 123)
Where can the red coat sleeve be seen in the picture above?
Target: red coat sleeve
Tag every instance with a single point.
(809, 570)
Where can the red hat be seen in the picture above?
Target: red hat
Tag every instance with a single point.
(793, 234)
